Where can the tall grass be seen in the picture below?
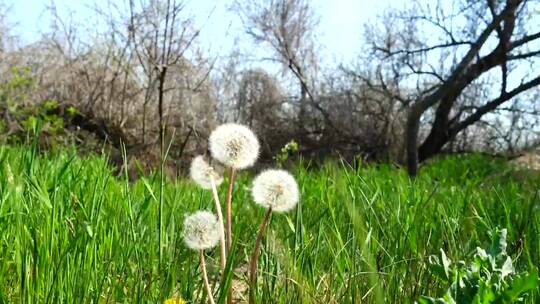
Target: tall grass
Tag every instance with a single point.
(71, 231)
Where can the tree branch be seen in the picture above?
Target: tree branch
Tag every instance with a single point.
(493, 104)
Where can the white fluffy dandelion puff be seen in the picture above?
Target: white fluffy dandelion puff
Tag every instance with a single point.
(234, 145)
(276, 189)
(201, 230)
(202, 173)
(207, 177)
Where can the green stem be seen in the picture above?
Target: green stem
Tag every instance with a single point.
(161, 187)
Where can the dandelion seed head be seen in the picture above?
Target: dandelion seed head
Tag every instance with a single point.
(234, 145)
(202, 173)
(201, 230)
(276, 189)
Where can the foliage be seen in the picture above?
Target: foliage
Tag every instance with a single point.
(14, 91)
(286, 151)
(24, 118)
(71, 231)
(489, 278)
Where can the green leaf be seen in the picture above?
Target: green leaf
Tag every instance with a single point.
(40, 191)
(290, 223)
(507, 268)
(498, 246)
(446, 264)
(437, 269)
(429, 300)
(149, 188)
(481, 253)
(88, 229)
(484, 294)
(520, 285)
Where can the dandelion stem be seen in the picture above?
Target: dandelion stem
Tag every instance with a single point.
(229, 207)
(205, 278)
(229, 222)
(223, 254)
(255, 256)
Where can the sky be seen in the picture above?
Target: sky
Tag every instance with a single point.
(339, 34)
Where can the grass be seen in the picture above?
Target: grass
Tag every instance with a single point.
(73, 232)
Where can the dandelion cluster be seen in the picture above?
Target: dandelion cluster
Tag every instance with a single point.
(234, 145)
(202, 173)
(276, 189)
(201, 230)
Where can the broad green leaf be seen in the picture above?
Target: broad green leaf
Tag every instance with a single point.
(507, 268)
(429, 300)
(498, 246)
(520, 285)
(446, 264)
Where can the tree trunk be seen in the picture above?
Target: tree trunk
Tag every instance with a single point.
(144, 123)
(411, 139)
(161, 91)
(439, 134)
(302, 113)
(433, 144)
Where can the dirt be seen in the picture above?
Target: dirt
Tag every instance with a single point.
(528, 161)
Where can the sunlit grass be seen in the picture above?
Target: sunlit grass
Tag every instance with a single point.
(71, 231)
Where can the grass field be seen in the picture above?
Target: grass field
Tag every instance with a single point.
(71, 231)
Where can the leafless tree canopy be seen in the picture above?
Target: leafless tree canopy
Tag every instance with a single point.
(286, 27)
(438, 75)
(454, 62)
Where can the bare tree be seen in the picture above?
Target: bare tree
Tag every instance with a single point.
(258, 104)
(3, 28)
(92, 74)
(365, 111)
(161, 36)
(8, 41)
(461, 46)
(111, 74)
(287, 27)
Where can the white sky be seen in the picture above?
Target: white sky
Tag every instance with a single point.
(339, 33)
